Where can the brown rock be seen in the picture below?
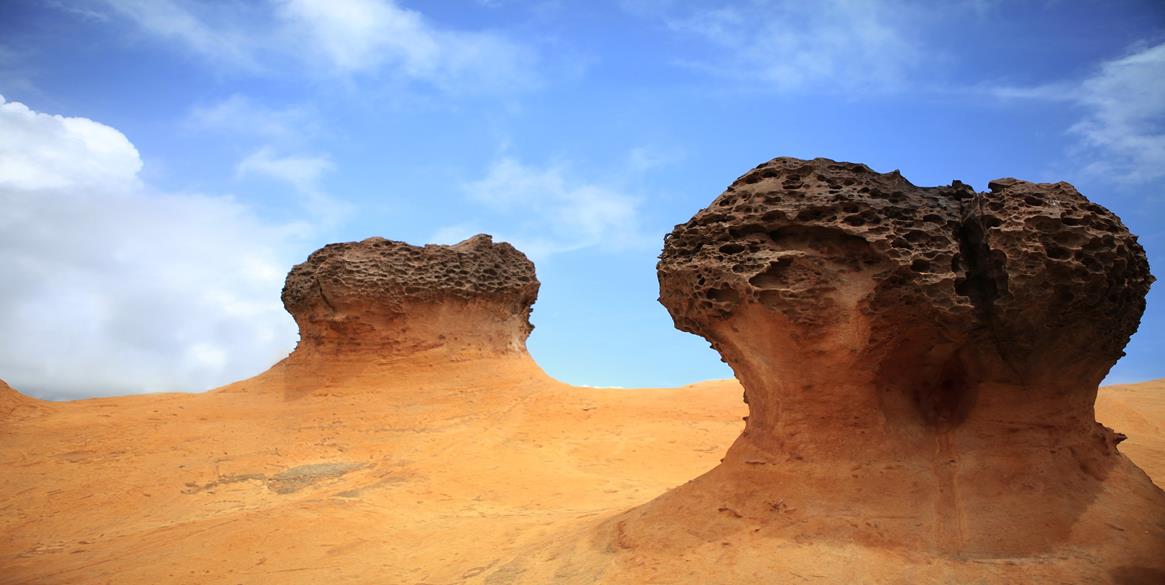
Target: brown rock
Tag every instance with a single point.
(920, 364)
(1029, 282)
(392, 298)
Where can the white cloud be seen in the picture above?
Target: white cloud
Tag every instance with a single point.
(789, 45)
(357, 35)
(54, 152)
(551, 212)
(110, 286)
(374, 38)
(1122, 130)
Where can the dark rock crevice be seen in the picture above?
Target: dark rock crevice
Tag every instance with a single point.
(324, 297)
(981, 281)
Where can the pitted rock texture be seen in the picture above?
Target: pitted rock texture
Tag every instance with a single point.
(1027, 283)
(1066, 281)
(764, 238)
(1036, 269)
(393, 297)
(916, 353)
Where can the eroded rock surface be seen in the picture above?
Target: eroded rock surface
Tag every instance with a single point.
(920, 364)
(1028, 278)
(390, 297)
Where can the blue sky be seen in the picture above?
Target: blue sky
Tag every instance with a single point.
(164, 162)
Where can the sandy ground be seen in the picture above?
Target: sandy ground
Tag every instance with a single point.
(1138, 410)
(417, 472)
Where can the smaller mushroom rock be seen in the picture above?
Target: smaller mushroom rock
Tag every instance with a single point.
(390, 298)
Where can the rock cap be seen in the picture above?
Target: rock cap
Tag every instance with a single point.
(392, 297)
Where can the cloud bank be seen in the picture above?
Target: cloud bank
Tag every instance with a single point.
(345, 38)
(111, 286)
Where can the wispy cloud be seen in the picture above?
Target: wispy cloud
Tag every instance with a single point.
(369, 38)
(300, 171)
(1121, 132)
(241, 115)
(289, 127)
(303, 173)
(1126, 120)
(210, 33)
(552, 212)
(787, 45)
(112, 286)
(81, 11)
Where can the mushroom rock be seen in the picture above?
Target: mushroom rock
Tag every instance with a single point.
(920, 366)
(386, 299)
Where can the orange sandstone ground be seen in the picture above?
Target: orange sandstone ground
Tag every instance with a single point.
(1138, 410)
(410, 472)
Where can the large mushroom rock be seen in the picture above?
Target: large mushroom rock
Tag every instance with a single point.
(920, 364)
(390, 298)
